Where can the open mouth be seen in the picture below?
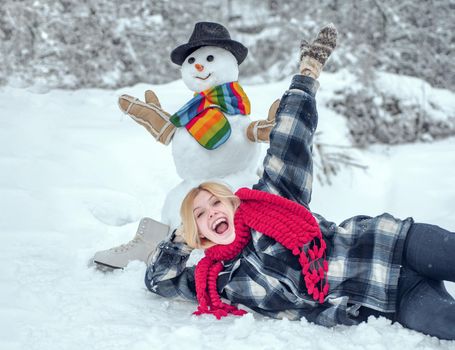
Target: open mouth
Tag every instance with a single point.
(220, 226)
(208, 76)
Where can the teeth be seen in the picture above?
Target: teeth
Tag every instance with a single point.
(218, 221)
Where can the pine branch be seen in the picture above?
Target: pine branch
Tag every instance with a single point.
(329, 162)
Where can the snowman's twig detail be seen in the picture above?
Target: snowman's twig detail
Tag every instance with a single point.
(259, 130)
(150, 115)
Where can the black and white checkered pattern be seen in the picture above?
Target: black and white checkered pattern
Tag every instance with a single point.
(364, 253)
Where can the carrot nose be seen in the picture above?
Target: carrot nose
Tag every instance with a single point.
(199, 67)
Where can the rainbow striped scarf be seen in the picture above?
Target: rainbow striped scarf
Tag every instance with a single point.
(203, 118)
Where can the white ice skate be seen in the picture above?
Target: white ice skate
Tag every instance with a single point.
(148, 235)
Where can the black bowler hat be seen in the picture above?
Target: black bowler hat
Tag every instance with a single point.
(209, 34)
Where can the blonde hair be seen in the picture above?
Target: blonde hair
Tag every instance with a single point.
(190, 230)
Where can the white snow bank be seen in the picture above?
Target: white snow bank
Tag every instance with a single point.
(438, 103)
(76, 176)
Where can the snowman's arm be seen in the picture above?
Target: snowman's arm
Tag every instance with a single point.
(288, 164)
(150, 115)
(167, 274)
(259, 130)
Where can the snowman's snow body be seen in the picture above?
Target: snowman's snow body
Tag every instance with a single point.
(234, 162)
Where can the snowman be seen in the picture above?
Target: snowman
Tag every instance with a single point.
(212, 136)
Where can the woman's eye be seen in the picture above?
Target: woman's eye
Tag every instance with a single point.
(210, 58)
(191, 60)
(216, 202)
(199, 214)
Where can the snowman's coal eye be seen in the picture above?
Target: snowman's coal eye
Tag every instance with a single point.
(191, 60)
(210, 58)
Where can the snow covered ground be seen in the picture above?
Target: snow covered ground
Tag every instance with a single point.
(76, 176)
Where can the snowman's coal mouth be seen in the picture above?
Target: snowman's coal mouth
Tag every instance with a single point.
(208, 76)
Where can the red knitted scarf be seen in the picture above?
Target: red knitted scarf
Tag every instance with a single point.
(289, 223)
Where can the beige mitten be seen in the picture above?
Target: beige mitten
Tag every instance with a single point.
(259, 130)
(150, 115)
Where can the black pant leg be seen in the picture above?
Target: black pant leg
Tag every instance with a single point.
(425, 305)
(430, 251)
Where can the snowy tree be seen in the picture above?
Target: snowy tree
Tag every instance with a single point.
(103, 43)
(108, 44)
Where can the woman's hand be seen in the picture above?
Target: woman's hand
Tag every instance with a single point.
(178, 235)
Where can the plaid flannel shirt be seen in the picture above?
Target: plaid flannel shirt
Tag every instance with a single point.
(364, 253)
